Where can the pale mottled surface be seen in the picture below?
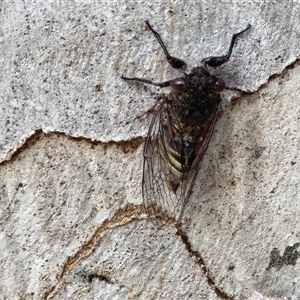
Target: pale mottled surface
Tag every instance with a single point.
(71, 221)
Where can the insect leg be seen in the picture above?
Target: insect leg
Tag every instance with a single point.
(176, 63)
(238, 90)
(160, 84)
(216, 61)
(151, 110)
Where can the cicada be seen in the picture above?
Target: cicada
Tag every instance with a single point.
(180, 132)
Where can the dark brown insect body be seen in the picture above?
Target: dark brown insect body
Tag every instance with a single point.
(179, 134)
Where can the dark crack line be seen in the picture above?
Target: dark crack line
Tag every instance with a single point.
(126, 146)
(121, 217)
(201, 263)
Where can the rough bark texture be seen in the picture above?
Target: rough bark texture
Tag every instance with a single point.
(72, 222)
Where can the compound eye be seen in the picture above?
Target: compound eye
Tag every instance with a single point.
(219, 85)
(177, 84)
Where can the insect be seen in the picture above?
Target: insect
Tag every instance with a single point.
(179, 132)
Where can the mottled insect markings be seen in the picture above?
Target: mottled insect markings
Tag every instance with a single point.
(179, 133)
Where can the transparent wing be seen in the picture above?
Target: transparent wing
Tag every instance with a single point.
(171, 164)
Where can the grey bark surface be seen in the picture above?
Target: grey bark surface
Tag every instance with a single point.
(71, 148)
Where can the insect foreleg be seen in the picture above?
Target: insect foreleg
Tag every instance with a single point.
(176, 63)
(152, 109)
(160, 84)
(237, 90)
(217, 61)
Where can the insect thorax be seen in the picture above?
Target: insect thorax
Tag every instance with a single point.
(197, 103)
